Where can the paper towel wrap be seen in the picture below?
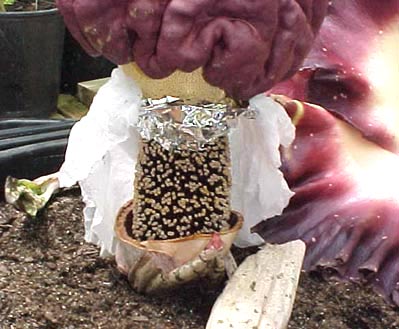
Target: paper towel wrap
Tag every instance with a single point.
(103, 148)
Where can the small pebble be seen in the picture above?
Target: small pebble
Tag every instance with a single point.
(52, 266)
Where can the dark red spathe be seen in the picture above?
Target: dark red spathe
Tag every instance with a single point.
(244, 47)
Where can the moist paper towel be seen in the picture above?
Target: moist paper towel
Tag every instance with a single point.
(102, 154)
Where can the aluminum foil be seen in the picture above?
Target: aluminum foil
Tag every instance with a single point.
(180, 125)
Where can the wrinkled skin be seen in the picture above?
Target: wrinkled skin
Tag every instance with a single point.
(244, 47)
(346, 202)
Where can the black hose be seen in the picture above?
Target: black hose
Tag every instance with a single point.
(15, 123)
(32, 148)
(35, 129)
(10, 143)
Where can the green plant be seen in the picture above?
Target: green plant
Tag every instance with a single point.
(11, 2)
(5, 2)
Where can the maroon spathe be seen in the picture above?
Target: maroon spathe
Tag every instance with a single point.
(338, 74)
(244, 46)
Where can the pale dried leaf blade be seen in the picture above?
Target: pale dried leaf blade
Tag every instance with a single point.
(261, 293)
(30, 196)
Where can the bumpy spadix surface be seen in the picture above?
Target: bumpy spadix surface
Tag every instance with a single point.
(244, 47)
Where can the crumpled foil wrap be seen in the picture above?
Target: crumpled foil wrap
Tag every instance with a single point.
(177, 124)
(103, 152)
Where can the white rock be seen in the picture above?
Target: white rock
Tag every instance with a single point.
(261, 293)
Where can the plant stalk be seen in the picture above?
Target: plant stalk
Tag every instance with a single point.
(2, 8)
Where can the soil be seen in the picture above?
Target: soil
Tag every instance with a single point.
(51, 278)
(30, 5)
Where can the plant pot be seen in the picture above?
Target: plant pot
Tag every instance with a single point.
(159, 266)
(31, 46)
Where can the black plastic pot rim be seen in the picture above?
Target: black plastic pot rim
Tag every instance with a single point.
(20, 14)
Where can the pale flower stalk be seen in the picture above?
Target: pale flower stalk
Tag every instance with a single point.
(102, 157)
(103, 161)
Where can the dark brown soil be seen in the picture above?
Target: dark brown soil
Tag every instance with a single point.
(337, 305)
(51, 278)
(30, 5)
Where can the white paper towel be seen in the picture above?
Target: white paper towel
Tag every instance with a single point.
(101, 157)
(259, 190)
(103, 149)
